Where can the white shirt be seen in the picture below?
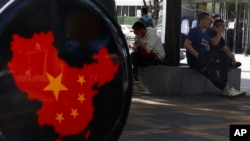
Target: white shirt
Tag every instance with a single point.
(231, 25)
(194, 23)
(185, 26)
(153, 43)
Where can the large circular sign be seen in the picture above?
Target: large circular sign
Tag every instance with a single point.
(65, 72)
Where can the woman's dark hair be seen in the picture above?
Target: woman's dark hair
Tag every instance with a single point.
(138, 25)
(217, 22)
(202, 16)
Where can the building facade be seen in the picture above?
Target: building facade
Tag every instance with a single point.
(129, 8)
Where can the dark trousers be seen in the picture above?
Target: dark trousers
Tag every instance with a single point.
(230, 39)
(238, 40)
(139, 60)
(215, 69)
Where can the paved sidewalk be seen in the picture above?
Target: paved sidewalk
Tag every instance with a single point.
(204, 117)
(200, 118)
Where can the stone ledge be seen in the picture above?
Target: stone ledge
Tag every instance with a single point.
(166, 80)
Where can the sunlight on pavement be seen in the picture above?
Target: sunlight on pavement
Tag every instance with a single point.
(151, 102)
(214, 110)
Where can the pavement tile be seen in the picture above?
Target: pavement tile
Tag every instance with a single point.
(220, 131)
(204, 117)
(180, 119)
(166, 137)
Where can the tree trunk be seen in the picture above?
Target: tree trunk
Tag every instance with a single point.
(144, 2)
(154, 9)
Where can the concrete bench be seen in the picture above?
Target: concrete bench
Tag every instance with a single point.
(166, 80)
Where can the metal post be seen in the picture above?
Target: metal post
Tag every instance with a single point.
(236, 23)
(172, 32)
(213, 7)
(246, 49)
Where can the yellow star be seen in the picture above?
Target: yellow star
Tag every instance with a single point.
(59, 117)
(81, 98)
(55, 85)
(81, 79)
(74, 113)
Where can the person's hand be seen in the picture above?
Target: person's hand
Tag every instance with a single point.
(202, 61)
(214, 28)
(204, 58)
(139, 39)
(139, 36)
(220, 29)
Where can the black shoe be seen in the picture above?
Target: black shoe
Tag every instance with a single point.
(236, 65)
(136, 80)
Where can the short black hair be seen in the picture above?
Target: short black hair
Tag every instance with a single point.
(144, 10)
(216, 16)
(138, 25)
(218, 21)
(202, 16)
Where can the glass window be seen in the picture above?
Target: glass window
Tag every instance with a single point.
(119, 10)
(132, 11)
(125, 11)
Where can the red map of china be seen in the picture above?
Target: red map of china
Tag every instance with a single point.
(65, 92)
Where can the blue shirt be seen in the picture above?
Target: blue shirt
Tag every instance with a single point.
(200, 42)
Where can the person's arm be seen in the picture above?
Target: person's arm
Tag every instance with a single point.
(148, 43)
(229, 53)
(141, 44)
(189, 47)
(215, 39)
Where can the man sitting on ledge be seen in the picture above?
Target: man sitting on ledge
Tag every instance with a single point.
(202, 59)
(149, 51)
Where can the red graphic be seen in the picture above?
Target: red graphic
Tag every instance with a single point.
(66, 93)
